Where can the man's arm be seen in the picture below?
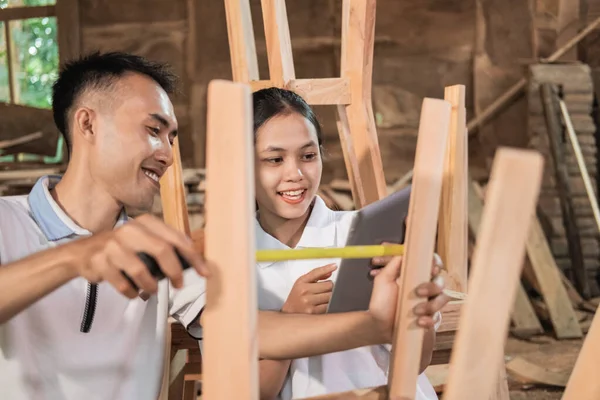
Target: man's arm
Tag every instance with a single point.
(24, 282)
(101, 257)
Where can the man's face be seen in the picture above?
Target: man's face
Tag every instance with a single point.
(133, 139)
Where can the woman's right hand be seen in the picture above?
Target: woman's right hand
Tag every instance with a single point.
(311, 292)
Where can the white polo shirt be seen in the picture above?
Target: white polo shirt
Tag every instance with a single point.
(331, 373)
(82, 341)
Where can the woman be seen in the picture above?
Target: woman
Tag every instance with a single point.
(290, 214)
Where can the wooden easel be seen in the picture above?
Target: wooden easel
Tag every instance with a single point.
(351, 94)
(231, 348)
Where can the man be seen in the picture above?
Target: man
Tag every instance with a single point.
(71, 325)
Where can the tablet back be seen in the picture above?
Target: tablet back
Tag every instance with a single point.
(382, 221)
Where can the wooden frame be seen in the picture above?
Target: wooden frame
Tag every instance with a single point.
(351, 92)
(420, 242)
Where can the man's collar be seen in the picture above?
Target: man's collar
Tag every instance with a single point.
(52, 220)
(319, 231)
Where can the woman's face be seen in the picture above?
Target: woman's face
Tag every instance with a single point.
(288, 166)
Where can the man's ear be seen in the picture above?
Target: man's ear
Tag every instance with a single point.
(83, 123)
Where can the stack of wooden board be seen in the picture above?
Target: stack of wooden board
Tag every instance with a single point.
(575, 84)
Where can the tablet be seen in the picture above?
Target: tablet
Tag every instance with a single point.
(378, 222)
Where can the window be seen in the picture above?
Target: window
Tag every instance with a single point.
(29, 54)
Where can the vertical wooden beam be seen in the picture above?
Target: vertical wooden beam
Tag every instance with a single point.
(172, 193)
(358, 32)
(69, 31)
(175, 214)
(279, 45)
(496, 266)
(242, 46)
(453, 234)
(420, 241)
(230, 346)
(583, 383)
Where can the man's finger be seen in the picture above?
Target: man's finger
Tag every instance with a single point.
(177, 239)
(318, 274)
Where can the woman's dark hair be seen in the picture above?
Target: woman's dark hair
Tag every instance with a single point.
(270, 102)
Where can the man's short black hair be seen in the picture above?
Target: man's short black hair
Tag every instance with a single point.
(100, 71)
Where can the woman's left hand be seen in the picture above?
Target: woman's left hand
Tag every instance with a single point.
(431, 291)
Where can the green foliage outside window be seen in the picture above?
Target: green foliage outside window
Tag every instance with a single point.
(35, 42)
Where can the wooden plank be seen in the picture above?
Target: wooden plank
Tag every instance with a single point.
(175, 214)
(5, 144)
(230, 347)
(172, 193)
(530, 373)
(419, 244)
(583, 384)
(350, 159)
(496, 266)
(14, 13)
(69, 32)
(279, 46)
(242, 46)
(548, 278)
(561, 175)
(378, 393)
(358, 32)
(319, 91)
(523, 316)
(526, 322)
(453, 234)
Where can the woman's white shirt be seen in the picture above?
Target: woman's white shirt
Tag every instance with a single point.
(335, 372)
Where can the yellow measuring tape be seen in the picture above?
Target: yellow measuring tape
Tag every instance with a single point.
(335, 252)
(341, 252)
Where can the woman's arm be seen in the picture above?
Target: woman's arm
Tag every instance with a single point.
(272, 374)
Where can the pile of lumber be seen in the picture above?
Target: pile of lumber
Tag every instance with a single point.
(575, 84)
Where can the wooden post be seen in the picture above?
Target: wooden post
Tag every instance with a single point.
(453, 235)
(583, 383)
(279, 45)
(496, 266)
(175, 214)
(562, 181)
(358, 33)
(242, 46)
(419, 245)
(229, 318)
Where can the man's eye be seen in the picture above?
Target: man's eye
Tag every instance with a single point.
(154, 131)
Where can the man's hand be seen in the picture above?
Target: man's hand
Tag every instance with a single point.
(385, 296)
(105, 256)
(311, 292)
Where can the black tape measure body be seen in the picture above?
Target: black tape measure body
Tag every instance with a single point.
(154, 268)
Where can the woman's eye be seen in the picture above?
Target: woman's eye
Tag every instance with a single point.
(274, 160)
(310, 156)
